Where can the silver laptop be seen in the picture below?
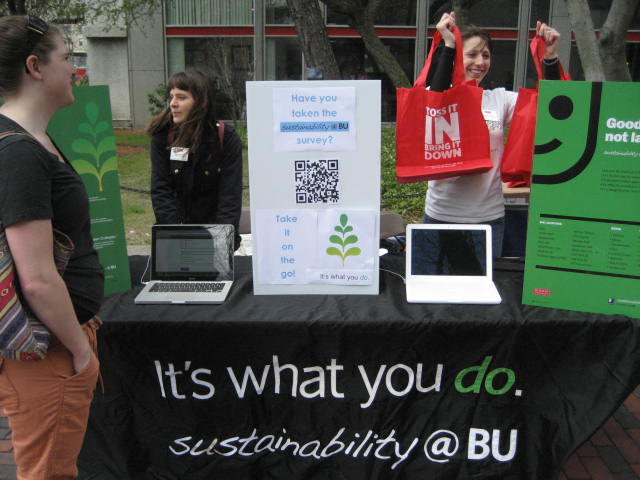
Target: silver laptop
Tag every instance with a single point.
(190, 264)
(450, 263)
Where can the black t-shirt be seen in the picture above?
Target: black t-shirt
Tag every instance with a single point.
(35, 185)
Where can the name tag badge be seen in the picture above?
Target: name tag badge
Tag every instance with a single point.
(490, 115)
(180, 154)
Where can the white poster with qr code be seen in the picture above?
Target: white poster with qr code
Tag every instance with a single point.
(316, 119)
(317, 181)
(314, 183)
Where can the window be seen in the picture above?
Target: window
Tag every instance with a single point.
(229, 62)
(483, 13)
(600, 10)
(277, 12)
(391, 12)
(283, 59)
(539, 11)
(633, 60)
(501, 72)
(356, 64)
(209, 12)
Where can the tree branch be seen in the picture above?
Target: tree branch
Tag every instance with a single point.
(612, 37)
(361, 17)
(313, 37)
(582, 26)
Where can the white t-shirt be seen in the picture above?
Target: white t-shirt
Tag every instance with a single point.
(476, 198)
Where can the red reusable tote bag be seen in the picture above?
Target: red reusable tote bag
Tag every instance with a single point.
(441, 134)
(517, 158)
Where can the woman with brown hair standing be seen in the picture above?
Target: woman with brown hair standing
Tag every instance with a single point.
(47, 401)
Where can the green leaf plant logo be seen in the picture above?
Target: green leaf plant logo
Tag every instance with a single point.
(95, 145)
(343, 240)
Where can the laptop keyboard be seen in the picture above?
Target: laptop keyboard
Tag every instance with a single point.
(187, 287)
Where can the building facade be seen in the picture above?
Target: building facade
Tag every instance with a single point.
(240, 40)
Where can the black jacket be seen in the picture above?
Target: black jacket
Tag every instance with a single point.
(207, 188)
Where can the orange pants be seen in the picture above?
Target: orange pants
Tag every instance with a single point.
(48, 408)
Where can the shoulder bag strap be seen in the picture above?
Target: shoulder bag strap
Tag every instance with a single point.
(4, 135)
(63, 246)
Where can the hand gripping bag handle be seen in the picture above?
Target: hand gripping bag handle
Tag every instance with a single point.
(538, 48)
(458, 77)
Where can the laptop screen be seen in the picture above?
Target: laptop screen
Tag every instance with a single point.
(456, 251)
(192, 252)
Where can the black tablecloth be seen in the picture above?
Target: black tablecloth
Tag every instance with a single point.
(352, 386)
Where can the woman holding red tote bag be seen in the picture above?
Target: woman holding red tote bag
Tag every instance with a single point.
(477, 198)
(440, 134)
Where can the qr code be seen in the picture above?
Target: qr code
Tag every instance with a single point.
(317, 181)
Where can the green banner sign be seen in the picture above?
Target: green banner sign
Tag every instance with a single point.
(583, 239)
(84, 133)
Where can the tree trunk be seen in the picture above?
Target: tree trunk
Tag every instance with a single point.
(582, 26)
(612, 36)
(361, 17)
(313, 38)
(382, 56)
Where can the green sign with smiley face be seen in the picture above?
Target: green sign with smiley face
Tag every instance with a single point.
(583, 237)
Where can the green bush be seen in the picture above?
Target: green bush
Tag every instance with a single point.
(407, 199)
(158, 99)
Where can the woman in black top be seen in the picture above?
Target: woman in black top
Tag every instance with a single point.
(47, 402)
(196, 163)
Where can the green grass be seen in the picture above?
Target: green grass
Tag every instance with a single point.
(134, 170)
(126, 137)
(406, 199)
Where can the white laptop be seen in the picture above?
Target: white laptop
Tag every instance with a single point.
(450, 263)
(190, 264)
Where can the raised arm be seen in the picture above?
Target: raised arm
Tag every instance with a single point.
(551, 36)
(439, 78)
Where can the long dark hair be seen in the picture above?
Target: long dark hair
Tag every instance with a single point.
(201, 117)
(17, 42)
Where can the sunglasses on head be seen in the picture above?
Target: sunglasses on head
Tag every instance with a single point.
(36, 29)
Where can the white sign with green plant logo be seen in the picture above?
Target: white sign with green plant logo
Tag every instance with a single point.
(328, 247)
(344, 240)
(84, 133)
(315, 186)
(348, 254)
